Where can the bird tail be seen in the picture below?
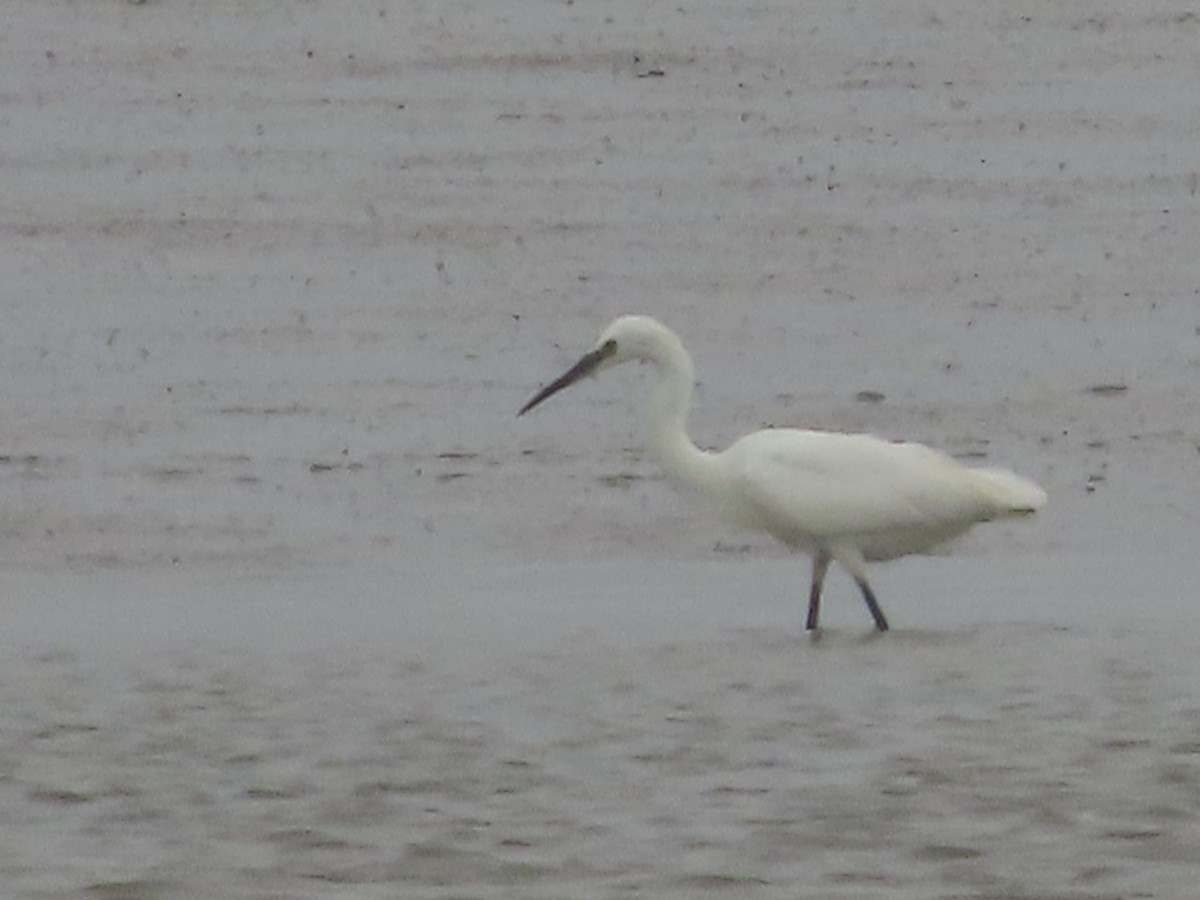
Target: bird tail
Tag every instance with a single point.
(1012, 494)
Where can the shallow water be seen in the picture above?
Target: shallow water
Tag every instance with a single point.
(294, 606)
(996, 761)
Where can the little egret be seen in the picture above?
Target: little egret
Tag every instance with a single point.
(844, 497)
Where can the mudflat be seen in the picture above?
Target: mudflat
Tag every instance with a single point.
(294, 606)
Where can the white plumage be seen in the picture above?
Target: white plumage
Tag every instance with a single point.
(844, 497)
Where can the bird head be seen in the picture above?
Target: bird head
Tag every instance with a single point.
(627, 338)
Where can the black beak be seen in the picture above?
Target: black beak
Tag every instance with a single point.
(584, 367)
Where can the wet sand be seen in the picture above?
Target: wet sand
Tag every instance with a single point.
(294, 606)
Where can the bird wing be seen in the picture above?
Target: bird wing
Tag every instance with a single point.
(810, 485)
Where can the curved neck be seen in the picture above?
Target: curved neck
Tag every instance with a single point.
(670, 402)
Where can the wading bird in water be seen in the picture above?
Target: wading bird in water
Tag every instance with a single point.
(849, 498)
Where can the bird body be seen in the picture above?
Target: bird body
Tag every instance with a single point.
(839, 497)
(810, 488)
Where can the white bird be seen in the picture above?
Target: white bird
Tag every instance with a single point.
(844, 497)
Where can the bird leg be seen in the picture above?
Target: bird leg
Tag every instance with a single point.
(872, 604)
(851, 559)
(819, 567)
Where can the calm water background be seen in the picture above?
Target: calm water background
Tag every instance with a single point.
(293, 606)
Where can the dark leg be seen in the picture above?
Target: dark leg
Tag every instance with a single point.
(820, 565)
(872, 604)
